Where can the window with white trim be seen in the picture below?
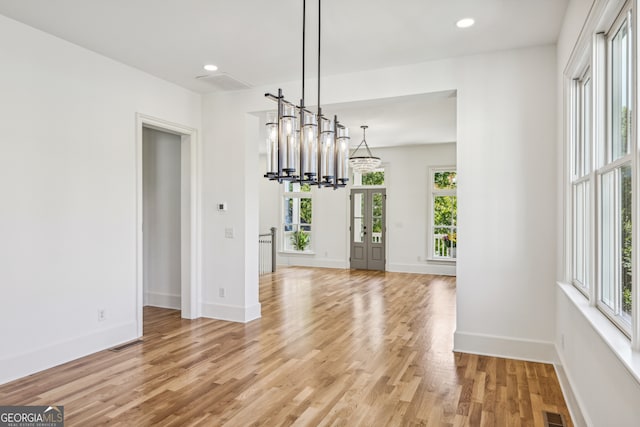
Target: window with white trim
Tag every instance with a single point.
(297, 215)
(602, 174)
(581, 107)
(444, 214)
(614, 180)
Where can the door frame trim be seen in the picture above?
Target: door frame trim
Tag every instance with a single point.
(191, 252)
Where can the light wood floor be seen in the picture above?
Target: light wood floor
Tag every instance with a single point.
(334, 347)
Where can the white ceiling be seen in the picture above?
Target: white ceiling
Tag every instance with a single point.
(258, 42)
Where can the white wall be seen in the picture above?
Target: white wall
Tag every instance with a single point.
(406, 175)
(506, 182)
(602, 390)
(68, 182)
(408, 204)
(231, 159)
(161, 218)
(505, 145)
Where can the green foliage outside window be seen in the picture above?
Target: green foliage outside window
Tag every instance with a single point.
(305, 211)
(626, 239)
(373, 178)
(445, 210)
(445, 180)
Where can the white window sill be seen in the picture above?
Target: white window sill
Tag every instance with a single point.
(618, 342)
(296, 253)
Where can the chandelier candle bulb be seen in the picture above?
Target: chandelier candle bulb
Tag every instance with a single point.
(272, 144)
(287, 139)
(309, 145)
(342, 154)
(328, 150)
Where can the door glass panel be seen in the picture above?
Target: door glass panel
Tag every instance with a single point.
(358, 230)
(376, 218)
(376, 235)
(358, 219)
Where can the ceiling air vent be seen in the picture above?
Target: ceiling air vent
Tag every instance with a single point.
(223, 82)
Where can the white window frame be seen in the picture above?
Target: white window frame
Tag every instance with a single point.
(285, 236)
(582, 179)
(432, 193)
(604, 166)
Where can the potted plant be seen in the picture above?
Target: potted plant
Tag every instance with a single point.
(300, 240)
(450, 240)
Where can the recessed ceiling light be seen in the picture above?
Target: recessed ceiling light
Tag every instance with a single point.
(210, 67)
(465, 23)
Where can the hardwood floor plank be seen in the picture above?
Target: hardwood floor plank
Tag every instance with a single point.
(333, 348)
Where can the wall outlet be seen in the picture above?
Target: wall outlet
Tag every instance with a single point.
(221, 292)
(102, 314)
(228, 232)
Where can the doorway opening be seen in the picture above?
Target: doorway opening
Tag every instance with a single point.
(168, 223)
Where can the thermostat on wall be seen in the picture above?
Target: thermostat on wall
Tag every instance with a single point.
(222, 206)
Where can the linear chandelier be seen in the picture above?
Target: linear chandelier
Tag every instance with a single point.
(302, 146)
(366, 163)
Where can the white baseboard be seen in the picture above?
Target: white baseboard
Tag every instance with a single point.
(306, 261)
(570, 398)
(443, 270)
(421, 268)
(232, 313)
(512, 348)
(159, 299)
(21, 365)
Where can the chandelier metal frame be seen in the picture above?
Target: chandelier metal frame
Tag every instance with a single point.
(364, 164)
(303, 147)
